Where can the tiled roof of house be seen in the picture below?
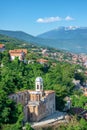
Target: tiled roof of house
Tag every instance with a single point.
(42, 60)
(1, 46)
(15, 54)
(85, 94)
(18, 51)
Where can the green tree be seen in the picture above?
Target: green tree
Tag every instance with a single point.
(28, 127)
(80, 76)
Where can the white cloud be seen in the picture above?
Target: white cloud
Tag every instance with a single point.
(49, 19)
(54, 19)
(68, 18)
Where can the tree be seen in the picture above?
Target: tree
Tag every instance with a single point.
(79, 101)
(28, 127)
(80, 76)
(83, 124)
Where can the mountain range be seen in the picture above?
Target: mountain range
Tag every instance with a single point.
(73, 39)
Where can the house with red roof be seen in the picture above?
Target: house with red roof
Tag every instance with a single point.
(2, 47)
(42, 61)
(20, 53)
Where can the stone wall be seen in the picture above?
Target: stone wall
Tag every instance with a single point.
(36, 105)
(50, 104)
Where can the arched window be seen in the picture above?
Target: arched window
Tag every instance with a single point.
(13, 97)
(41, 86)
(22, 97)
(37, 86)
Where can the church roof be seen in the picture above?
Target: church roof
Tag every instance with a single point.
(39, 79)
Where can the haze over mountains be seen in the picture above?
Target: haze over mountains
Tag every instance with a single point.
(64, 33)
(73, 39)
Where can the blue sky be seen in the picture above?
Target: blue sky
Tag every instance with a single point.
(38, 16)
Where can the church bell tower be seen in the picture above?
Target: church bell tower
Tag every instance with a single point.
(39, 84)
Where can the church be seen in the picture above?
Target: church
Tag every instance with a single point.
(37, 103)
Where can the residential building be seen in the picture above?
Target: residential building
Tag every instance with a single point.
(42, 61)
(2, 47)
(20, 53)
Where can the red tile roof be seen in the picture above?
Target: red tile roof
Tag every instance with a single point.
(42, 60)
(18, 51)
(1, 46)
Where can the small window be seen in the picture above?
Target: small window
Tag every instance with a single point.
(41, 86)
(13, 97)
(37, 98)
(19, 96)
(37, 86)
(33, 97)
(31, 115)
(22, 97)
(16, 99)
(25, 94)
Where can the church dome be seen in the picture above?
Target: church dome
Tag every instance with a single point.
(39, 79)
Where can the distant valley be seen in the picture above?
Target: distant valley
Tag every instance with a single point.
(73, 39)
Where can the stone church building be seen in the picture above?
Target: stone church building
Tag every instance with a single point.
(37, 103)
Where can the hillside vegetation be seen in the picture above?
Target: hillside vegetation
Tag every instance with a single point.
(17, 76)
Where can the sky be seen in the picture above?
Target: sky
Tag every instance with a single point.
(38, 16)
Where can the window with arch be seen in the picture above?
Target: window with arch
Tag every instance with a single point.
(41, 86)
(37, 86)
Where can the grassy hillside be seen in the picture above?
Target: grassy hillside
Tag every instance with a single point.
(73, 40)
(12, 43)
(22, 36)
